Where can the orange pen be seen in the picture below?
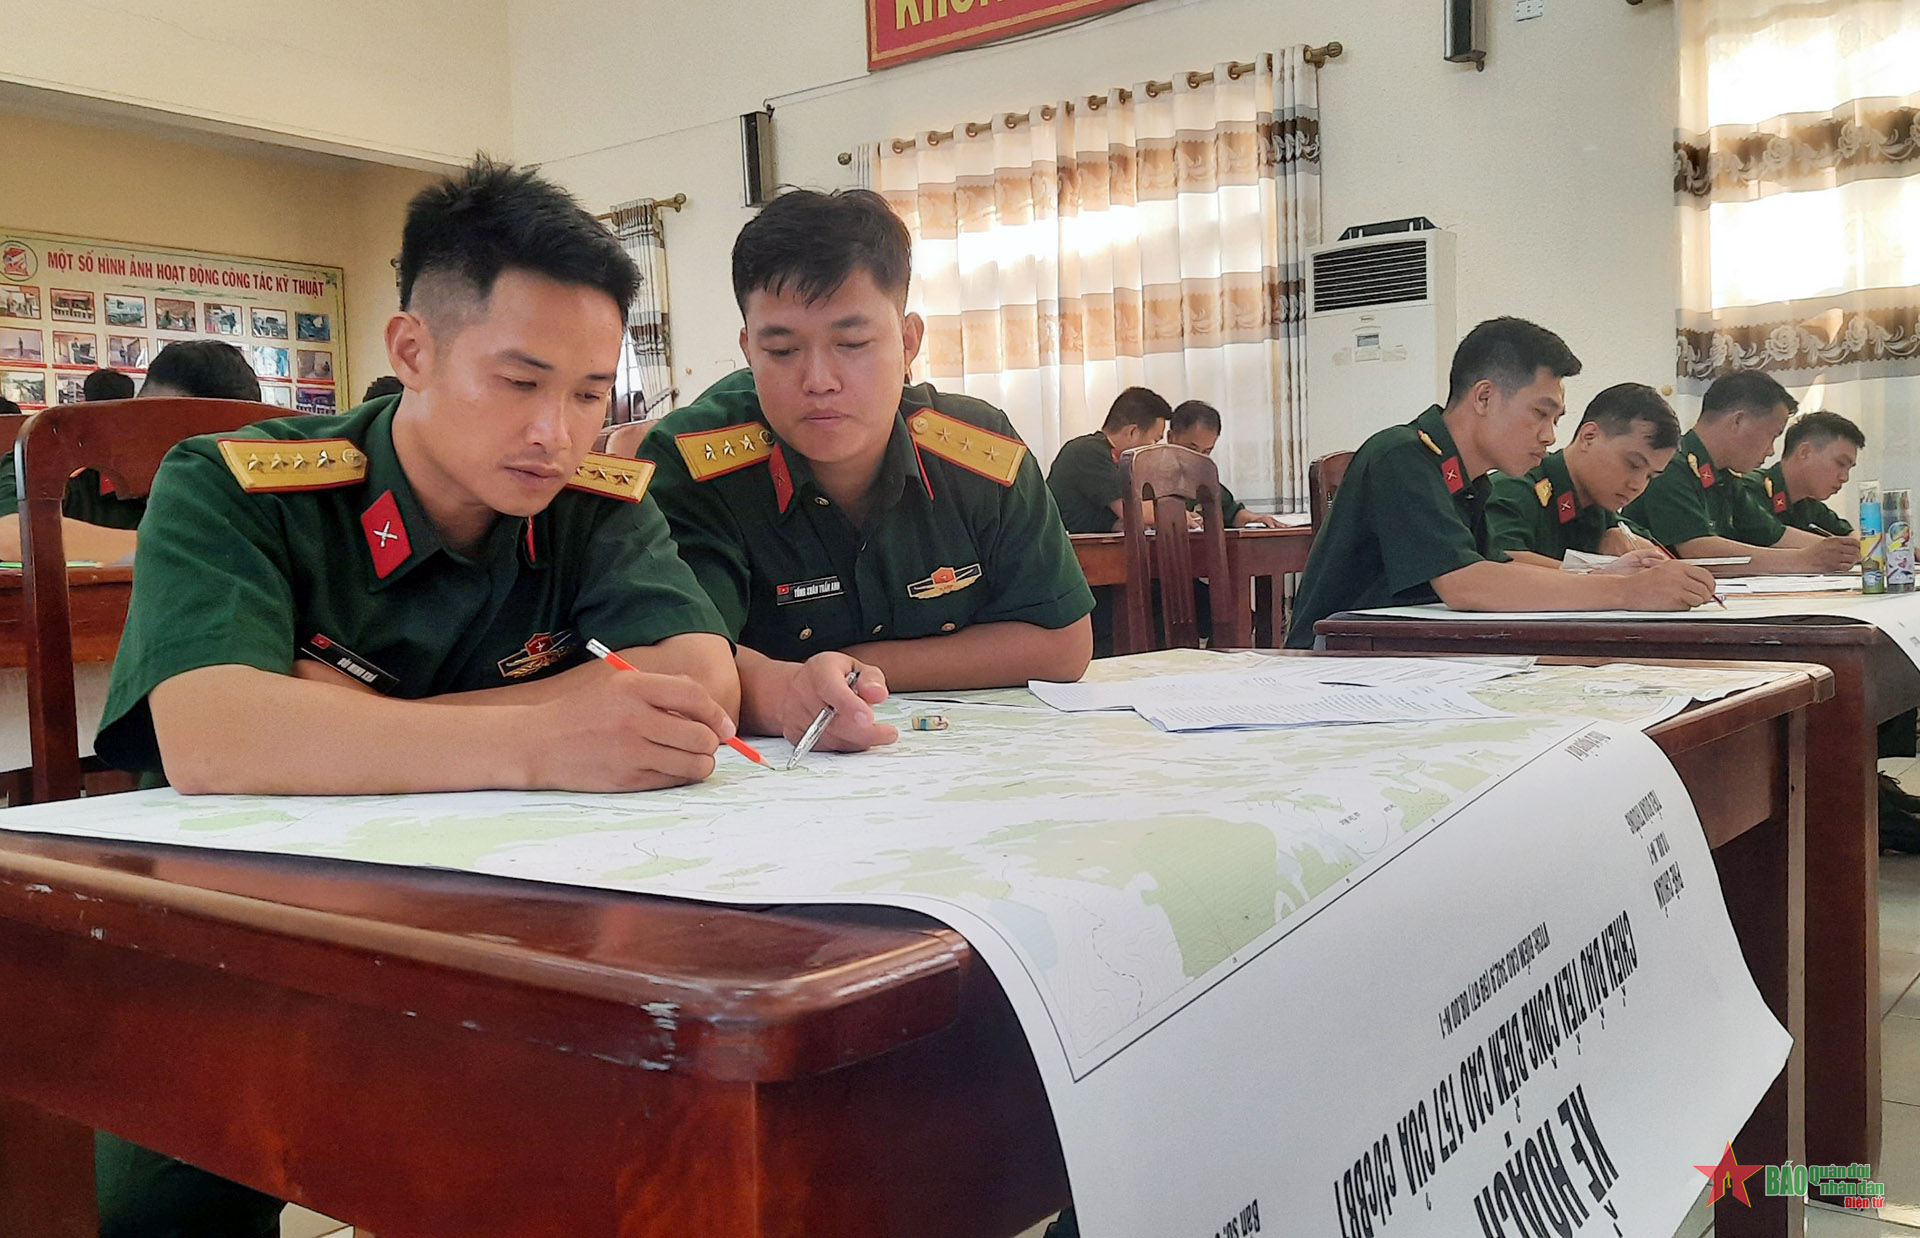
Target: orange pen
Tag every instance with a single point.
(614, 660)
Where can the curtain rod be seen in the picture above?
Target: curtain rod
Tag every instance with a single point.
(674, 203)
(1315, 56)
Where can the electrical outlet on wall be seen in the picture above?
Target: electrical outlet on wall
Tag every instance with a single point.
(1524, 9)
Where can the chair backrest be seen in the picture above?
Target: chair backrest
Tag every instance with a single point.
(1323, 479)
(124, 440)
(10, 426)
(624, 440)
(1172, 478)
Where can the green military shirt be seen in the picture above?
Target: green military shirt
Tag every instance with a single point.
(1692, 498)
(1085, 480)
(89, 498)
(1405, 514)
(301, 535)
(961, 529)
(1230, 507)
(1539, 513)
(1809, 514)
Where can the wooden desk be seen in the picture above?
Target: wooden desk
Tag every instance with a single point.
(100, 596)
(430, 1053)
(1873, 681)
(1256, 555)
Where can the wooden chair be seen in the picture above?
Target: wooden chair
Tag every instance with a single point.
(124, 440)
(1171, 478)
(1323, 479)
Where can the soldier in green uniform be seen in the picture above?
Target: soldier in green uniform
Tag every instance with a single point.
(1085, 477)
(98, 523)
(398, 598)
(842, 521)
(1816, 458)
(1699, 507)
(1571, 500)
(1195, 425)
(1408, 524)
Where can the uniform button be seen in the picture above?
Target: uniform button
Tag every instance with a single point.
(877, 627)
(948, 627)
(806, 633)
(821, 499)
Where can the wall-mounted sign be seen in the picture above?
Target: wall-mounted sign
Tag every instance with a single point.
(903, 30)
(71, 304)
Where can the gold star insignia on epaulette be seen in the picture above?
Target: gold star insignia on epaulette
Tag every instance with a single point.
(614, 477)
(1543, 490)
(712, 453)
(266, 466)
(974, 448)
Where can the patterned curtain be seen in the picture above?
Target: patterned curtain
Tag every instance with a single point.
(1797, 170)
(1154, 236)
(645, 387)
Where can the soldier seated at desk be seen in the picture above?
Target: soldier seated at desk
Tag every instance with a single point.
(1572, 499)
(96, 523)
(1409, 525)
(1816, 458)
(1195, 425)
(1700, 506)
(1085, 477)
(841, 520)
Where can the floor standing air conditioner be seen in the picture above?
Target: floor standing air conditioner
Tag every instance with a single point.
(1380, 334)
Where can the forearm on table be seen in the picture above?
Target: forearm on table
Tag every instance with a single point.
(700, 656)
(1518, 586)
(1763, 558)
(988, 655)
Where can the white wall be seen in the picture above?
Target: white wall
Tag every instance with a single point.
(1554, 165)
(423, 82)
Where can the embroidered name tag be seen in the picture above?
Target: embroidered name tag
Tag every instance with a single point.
(330, 652)
(806, 590)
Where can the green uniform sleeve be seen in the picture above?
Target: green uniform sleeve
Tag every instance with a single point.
(1230, 507)
(1514, 518)
(705, 531)
(211, 587)
(1085, 483)
(1415, 520)
(1673, 508)
(1030, 560)
(635, 590)
(1749, 517)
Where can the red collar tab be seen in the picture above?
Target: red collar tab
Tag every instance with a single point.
(1779, 500)
(532, 555)
(782, 480)
(1706, 476)
(922, 465)
(1454, 475)
(386, 535)
(1567, 508)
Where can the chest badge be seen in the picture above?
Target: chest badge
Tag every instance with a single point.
(542, 650)
(944, 580)
(807, 590)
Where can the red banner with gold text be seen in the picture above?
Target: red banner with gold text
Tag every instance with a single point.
(903, 30)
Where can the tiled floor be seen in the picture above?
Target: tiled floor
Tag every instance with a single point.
(1900, 1075)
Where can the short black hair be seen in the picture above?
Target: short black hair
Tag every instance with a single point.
(386, 384)
(1617, 409)
(1820, 428)
(8, 408)
(106, 385)
(1749, 391)
(204, 370)
(810, 243)
(1511, 352)
(1190, 413)
(494, 217)
(1137, 406)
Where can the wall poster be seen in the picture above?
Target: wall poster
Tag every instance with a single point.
(903, 30)
(69, 305)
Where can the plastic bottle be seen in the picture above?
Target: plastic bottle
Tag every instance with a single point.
(1896, 509)
(1873, 542)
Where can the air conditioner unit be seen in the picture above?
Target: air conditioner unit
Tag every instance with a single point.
(1380, 334)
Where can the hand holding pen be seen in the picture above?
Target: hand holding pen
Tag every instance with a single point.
(830, 706)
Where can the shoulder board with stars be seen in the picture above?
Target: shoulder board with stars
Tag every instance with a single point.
(271, 466)
(711, 453)
(1543, 490)
(616, 477)
(979, 451)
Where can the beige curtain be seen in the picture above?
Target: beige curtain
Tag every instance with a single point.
(1797, 171)
(644, 387)
(1154, 236)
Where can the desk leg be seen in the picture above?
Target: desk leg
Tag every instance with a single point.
(1265, 589)
(46, 1174)
(1760, 875)
(1843, 929)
